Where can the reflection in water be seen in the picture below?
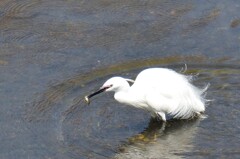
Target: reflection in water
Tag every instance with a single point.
(105, 124)
(161, 140)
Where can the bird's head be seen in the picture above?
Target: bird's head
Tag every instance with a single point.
(114, 84)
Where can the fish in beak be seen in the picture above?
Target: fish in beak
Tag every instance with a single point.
(102, 89)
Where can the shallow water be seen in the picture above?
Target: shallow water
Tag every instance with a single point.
(54, 53)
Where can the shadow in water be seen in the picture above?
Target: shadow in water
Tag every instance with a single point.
(161, 139)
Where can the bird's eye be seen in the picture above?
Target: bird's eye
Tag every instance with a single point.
(110, 85)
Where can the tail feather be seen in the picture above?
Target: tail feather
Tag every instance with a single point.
(191, 103)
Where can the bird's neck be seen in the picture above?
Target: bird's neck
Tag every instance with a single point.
(123, 96)
(132, 98)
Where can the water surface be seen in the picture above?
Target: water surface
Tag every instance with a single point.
(55, 52)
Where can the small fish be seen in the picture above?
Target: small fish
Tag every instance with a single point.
(86, 99)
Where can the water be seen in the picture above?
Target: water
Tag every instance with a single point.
(54, 53)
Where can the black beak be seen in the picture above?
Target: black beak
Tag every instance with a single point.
(86, 98)
(97, 92)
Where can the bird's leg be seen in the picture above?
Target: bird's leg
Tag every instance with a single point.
(162, 115)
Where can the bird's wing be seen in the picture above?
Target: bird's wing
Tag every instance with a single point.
(168, 91)
(180, 104)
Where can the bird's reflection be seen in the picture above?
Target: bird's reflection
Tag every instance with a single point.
(155, 128)
(161, 139)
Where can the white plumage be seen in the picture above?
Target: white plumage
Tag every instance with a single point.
(160, 91)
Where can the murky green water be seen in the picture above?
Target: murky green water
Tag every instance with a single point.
(54, 53)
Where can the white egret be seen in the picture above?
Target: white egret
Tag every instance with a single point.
(160, 91)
